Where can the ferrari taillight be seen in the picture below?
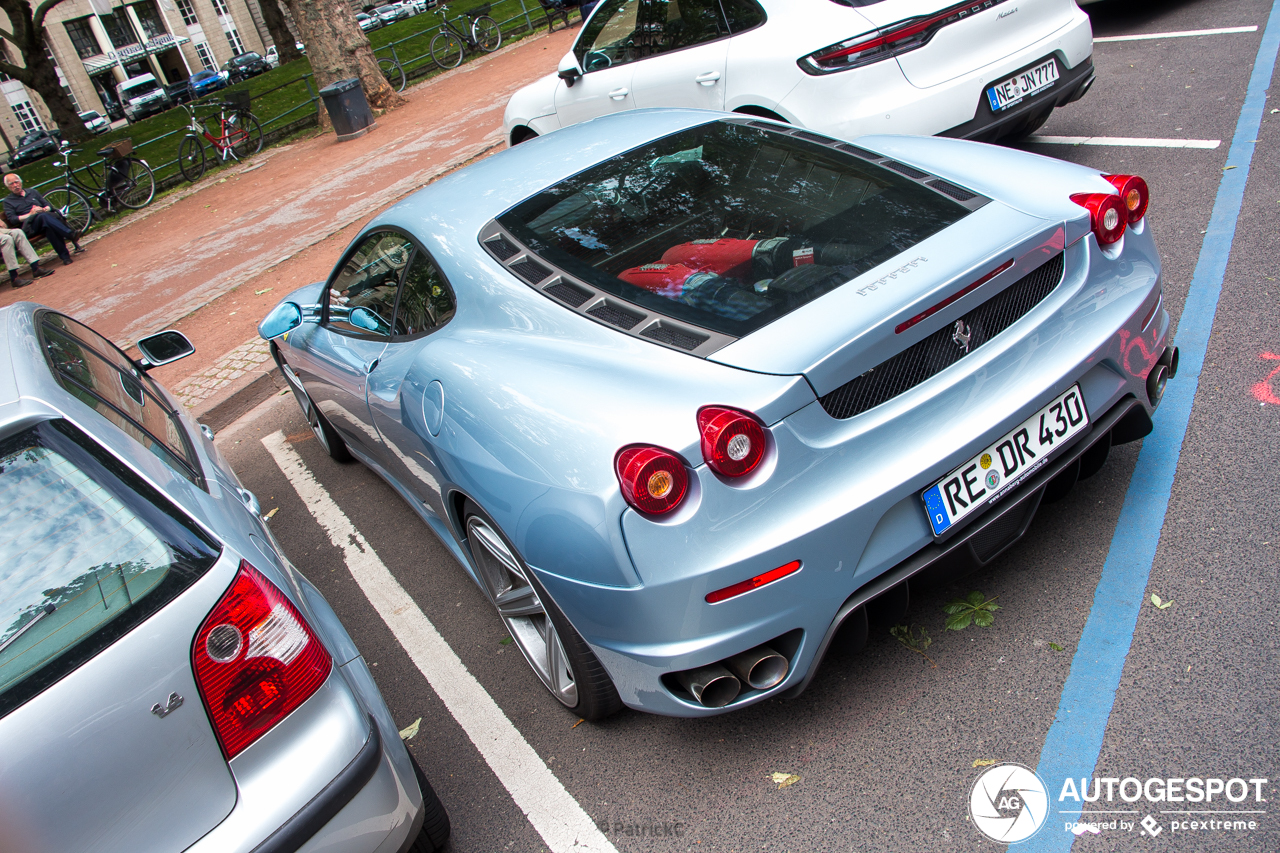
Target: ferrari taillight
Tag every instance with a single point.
(733, 442)
(653, 480)
(1133, 195)
(1107, 215)
(255, 660)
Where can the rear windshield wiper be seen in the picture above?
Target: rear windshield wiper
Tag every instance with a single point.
(44, 611)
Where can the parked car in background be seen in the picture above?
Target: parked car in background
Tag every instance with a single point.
(245, 65)
(840, 68)
(34, 145)
(390, 13)
(272, 56)
(180, 92)
(368, 23)
(639, 369)
(142, 96)
(205, 82)
(162, 663)
(95, 121)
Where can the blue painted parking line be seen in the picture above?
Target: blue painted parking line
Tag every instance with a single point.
(1074, 740)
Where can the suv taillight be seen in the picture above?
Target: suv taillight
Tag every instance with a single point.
(256, 660)
(889, 41)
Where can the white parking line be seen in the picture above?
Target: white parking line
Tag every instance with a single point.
(1179, 35)
(1125, 141)
(554, 813)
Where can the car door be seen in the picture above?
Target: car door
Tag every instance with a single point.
(689, 41)
(356, 315)
(605, 50)
(405, 399)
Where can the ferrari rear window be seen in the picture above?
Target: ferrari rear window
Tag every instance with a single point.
(728, 226)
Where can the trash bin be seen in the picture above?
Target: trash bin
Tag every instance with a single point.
(348, 109)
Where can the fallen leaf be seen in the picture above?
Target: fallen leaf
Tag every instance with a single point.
(264, 290)
(1161, 605)
(1055, 647)
(409, 731)
(784, 779)
(1226, 168)
(983, 762)
(580, 722)
(267, 517)
(505, 641)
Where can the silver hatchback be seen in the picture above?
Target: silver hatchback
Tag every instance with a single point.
(168, 680)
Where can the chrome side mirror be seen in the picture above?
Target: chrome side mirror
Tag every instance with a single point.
(163, 348)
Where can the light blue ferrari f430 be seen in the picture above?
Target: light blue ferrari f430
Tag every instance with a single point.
(688, 392)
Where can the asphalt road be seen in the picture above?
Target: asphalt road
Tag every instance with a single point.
(885, 744)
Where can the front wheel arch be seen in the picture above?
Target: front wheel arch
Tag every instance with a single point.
(522, 133)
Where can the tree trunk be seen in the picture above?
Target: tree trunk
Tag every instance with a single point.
(338, 49)
(26, 34)
(280, 34)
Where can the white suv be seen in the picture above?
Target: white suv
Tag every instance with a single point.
(982, 69)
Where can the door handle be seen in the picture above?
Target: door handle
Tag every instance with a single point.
(372, 365)
(618, 94)
(708, 79)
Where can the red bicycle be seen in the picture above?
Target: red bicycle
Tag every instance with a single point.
(238, 135)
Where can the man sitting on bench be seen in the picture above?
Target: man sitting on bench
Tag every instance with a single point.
(11, 238)
(38, 218)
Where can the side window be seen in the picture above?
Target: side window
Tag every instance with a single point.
(743, 14)
(362, 296)
(426, 302)
(629, 30)
(99, 375)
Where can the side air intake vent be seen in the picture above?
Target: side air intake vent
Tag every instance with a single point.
(904, 169)
(500, 248)
(673, 336)
(813, 137)
(567, 293)
(958, 193)
(938, 351)
(614, 315)
(530, 271)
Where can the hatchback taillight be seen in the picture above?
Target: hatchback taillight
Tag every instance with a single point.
(1107, 215)
(884, 43)
(255, 660)
(733, 442)
(652, 479)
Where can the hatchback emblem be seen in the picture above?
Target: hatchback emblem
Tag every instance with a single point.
(162, 711)
(961, 334)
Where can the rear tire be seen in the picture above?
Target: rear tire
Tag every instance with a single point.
(435, 820)
(191, 158)
(446, 50)
(247, 139)
(393, 72)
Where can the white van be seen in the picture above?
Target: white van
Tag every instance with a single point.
(142, 96)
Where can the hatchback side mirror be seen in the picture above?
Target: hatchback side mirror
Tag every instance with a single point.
(568, 70)
(163, 348)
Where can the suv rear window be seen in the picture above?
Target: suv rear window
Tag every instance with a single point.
(728, 226)
(89, 550)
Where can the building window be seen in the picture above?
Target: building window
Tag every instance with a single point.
(82, 38)
(220, 6)
(188, 13)
(152, 26)
(206, 56)
(237, 46)
(27, 116)
(118, 29)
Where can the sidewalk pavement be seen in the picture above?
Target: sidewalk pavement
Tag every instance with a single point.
(212, 259)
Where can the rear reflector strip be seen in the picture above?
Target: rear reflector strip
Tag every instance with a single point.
(902, 327)
(755, 583)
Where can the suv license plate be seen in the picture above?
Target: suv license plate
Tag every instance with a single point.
(999, 469)
(1010, 92)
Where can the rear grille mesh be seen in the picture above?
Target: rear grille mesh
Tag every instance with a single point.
(615, 316)
(952, 190)
(530, 271)
(904, 169)
(500, 248)
(674, 337)
(568, 293)
(939, 351)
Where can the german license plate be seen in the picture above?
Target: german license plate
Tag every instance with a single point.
(1004, 465)
(1009, 92)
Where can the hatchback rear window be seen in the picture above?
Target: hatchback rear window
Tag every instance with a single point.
(89, 550)
(728, 226)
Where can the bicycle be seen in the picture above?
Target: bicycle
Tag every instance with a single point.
(447, 47)
(393, 71)
(239, 136)
(126, 180)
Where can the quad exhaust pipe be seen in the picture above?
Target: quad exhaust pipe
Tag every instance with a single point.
(1166, 367)
(718, 684)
